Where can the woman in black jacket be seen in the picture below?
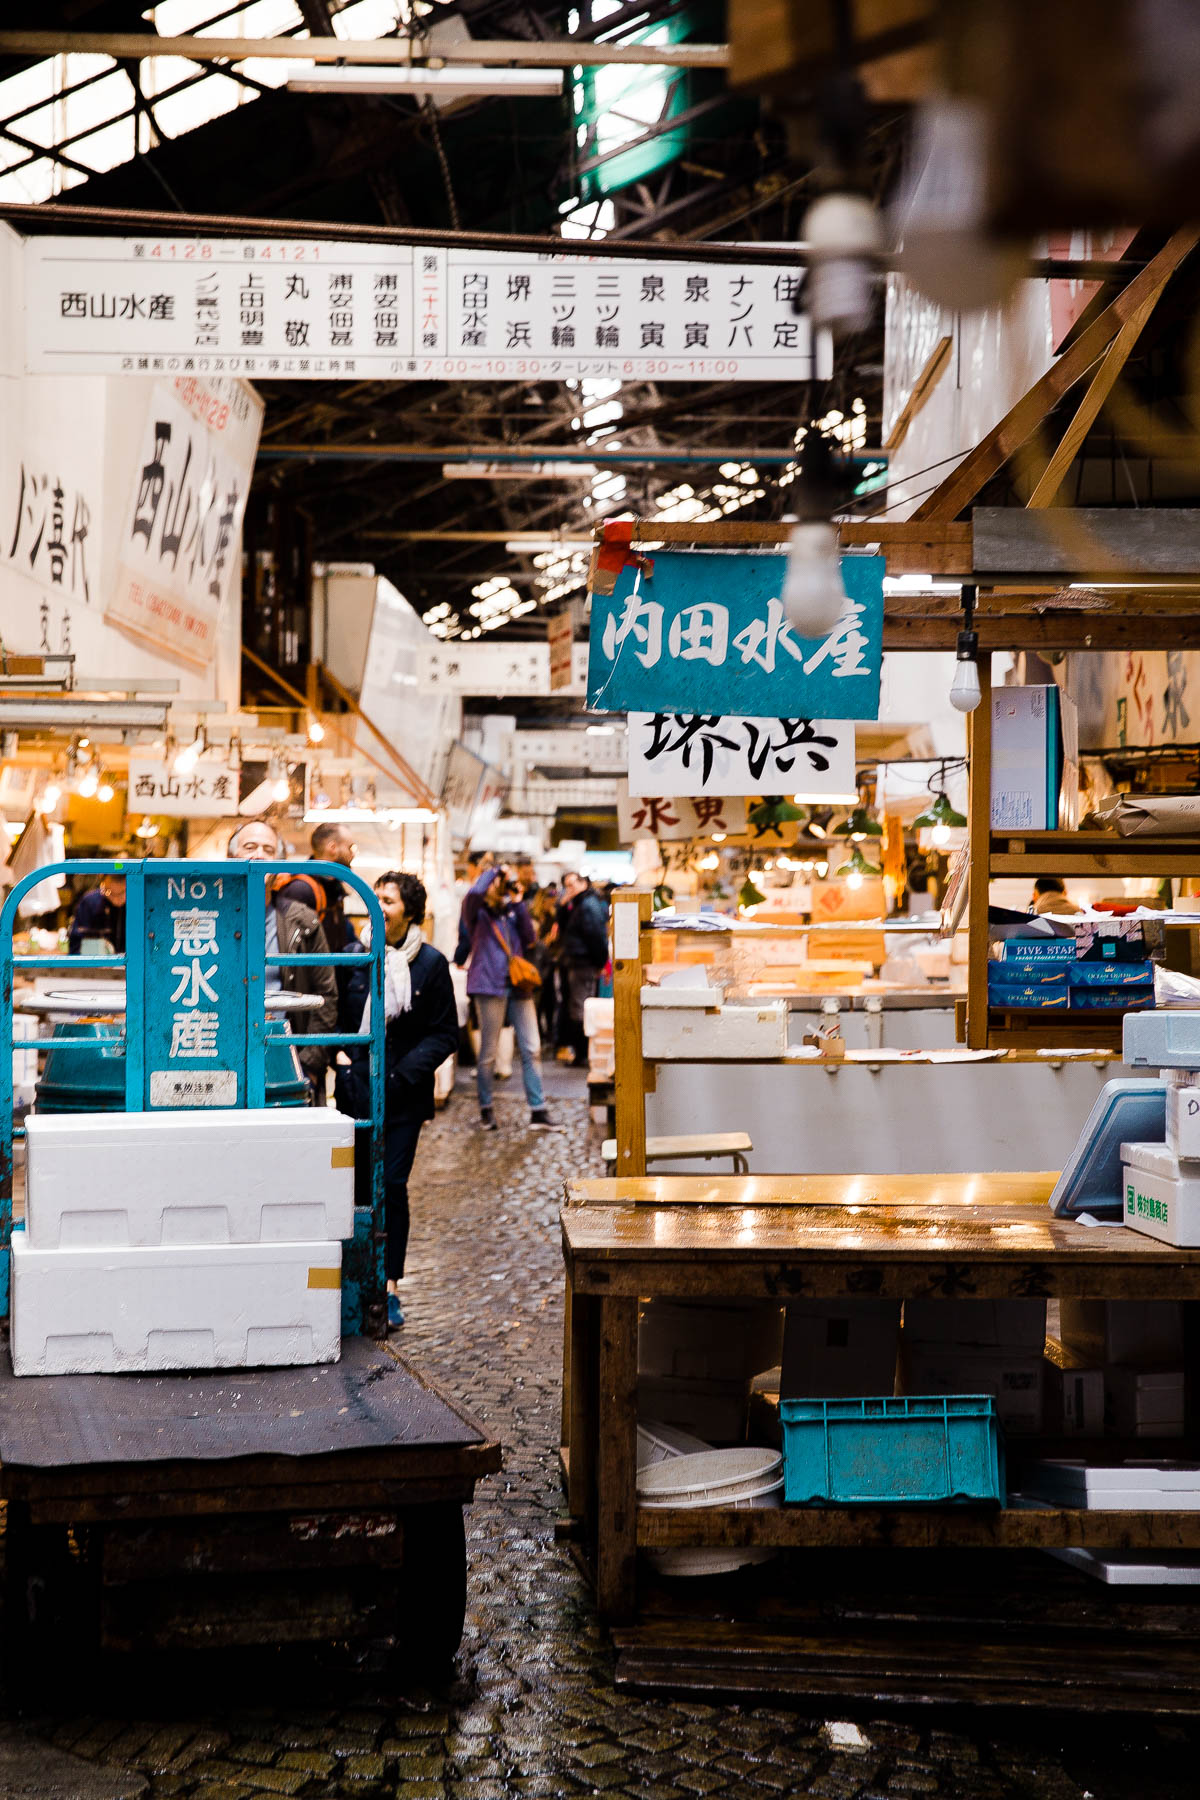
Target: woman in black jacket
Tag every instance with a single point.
(421, 1032)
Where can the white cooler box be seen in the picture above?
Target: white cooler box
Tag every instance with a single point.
(1160, 1199)
(212, 1306)
(283, 1175)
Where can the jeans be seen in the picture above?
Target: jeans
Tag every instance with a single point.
(521, 1013)
(399, 1148)
(579, 985)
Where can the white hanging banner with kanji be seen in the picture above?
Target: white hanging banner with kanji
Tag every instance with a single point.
(178, 554)
(713, 753)
(209, 791)
(677, 821)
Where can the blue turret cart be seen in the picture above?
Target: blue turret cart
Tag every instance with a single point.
(231, 1506)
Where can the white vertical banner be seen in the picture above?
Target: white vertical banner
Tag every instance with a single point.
(177, 548)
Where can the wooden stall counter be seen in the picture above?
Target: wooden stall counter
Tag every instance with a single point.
(986, 1236)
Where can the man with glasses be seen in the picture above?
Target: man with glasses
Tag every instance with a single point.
(293, 929)
(327, 898)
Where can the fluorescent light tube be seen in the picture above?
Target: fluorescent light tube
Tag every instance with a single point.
(463, 81)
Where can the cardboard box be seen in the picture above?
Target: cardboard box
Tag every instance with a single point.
(212, 1306)
(280, 1175)
(1026, 758)
(1143, 1402)
(1041, 998)
(990, 1324)
(1110, 999)
(1038, 949)
(1109, 974)
(1110, 940)
(753, 1032)
(1141, 1333)
(836, 1349)
(1015, 1377)
(1035, 973)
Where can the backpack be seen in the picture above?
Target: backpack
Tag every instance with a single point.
(320, 899)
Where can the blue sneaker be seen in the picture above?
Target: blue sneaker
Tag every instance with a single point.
(395, 1316)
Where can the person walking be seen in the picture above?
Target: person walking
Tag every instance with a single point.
(293, 929)
(327, 898)
(583, 939)
(421, 1032)
(497, 925)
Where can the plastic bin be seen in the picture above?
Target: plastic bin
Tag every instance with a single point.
(915, 1450)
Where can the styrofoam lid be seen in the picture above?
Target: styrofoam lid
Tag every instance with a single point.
(683, 1475)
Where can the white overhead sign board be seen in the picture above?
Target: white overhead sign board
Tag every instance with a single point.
(495, 669)
(708, 753)
(209, 791)
(313, 309)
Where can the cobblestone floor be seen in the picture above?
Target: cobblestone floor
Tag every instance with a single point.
(532, 1711)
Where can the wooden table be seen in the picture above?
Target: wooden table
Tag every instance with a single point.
(821, 1237)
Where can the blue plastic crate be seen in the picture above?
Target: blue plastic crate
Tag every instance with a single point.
(911, 1450)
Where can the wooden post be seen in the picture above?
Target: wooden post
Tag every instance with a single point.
(616, 1460)
(980, 853)
(630, 913)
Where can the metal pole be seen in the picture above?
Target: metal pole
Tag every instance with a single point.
(395, 52)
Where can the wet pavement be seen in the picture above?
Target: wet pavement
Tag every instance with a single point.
(531, 1710)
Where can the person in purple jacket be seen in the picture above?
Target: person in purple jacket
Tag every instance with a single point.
(496, 925)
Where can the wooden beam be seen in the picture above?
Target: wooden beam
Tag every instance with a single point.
(922, 387)
(1019, 424)
(1101, 543)
(1048, 619)
(914, 547)
(1099, 388)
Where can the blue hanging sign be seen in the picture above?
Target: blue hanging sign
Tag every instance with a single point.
(705, 632)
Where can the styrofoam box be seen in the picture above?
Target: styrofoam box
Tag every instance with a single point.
(699, 1341)
(209, 1306)
(836, 1349)
(732, 1031)
(280, 1175)
(1015, 1377)
(1115, 1487)
(1141, 1332)
(1074, 1400)
(597, 1015)
(1159, 1203)
(1183, 1122)
(1143, 1402)
(1011, 1323)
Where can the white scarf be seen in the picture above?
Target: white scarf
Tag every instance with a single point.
(397, 975)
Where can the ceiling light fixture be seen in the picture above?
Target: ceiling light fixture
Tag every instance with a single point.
(463, 81)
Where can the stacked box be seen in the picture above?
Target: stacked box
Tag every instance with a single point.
(696, 1362)
(181, 1240)
(979, 1347)
(835, 1349)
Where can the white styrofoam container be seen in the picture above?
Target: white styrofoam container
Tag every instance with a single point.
(1183, 1121)
(730, 1031)
(1074, 1400)
(834, 1349)
(1017, 1378)
(278, 1175)
(702, 1341)
(1143, 1402)
(690, 996)
(209, 1306)
(1160, 1204)
(597, 1015)
(1008, 1323)
(1140, 1332)
(1115, 1487)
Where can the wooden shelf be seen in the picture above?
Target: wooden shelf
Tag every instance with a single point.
(917, 1528)
(1091, 853)
(1056, 1028)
